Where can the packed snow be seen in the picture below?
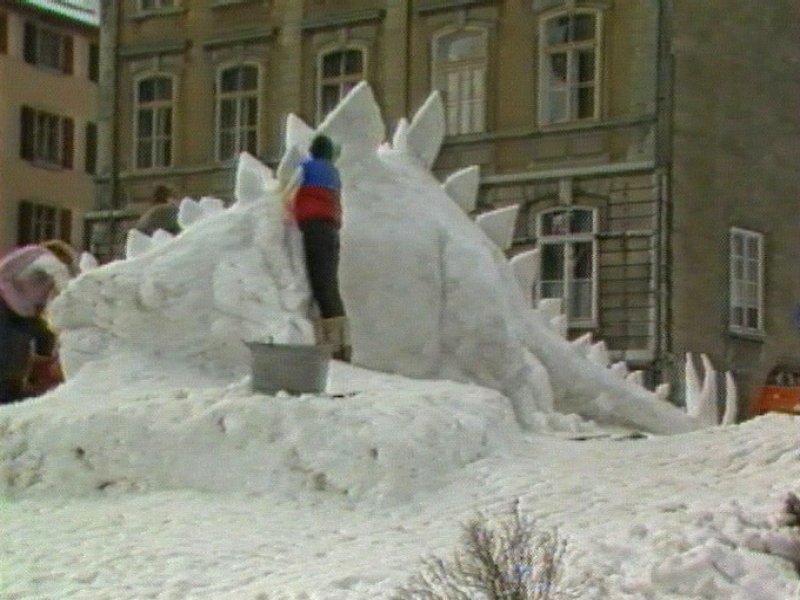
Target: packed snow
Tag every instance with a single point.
(157, 472)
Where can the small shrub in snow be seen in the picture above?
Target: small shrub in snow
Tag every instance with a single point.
(513, 561)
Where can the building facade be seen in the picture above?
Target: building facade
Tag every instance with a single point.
(652, 152)
(49, 68)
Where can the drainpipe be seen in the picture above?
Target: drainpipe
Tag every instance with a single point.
(663, 163)
(108, 151)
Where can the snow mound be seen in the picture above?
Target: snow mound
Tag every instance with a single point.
(394, 438)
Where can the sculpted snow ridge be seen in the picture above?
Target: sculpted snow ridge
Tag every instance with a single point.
(430, 293)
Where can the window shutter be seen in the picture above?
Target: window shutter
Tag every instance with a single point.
(24, 223)
(67, 142)
(94, 62)
(3, 33)
(68, 58)
(26, 133)
(90, 163)
(29, 44)
(65, 225)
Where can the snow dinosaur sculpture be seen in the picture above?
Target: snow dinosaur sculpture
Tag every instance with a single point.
(429, 291)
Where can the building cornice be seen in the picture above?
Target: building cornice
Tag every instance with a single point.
(149, 49)
(429, 6)
(241, 38)
(342, 18)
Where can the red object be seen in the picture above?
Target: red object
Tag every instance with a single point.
(773, 398)
(316, 202)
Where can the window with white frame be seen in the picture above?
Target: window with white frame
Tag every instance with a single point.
(569, 67)
(338, 72)
(151, 5)
(153, 121)
(568, 260)
(459, 72)
(746, 280)
(237, 111)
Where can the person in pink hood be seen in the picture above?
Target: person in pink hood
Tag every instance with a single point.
(29, 277)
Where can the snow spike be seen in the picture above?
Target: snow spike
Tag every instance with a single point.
(251, 181)
(709, 395)
(356, 124)
(585, 341)
(211, 206)
(189, 212)
(87, 262)
(298, 134)
(286, 172)
(462, 187)
(137, 243)
(550, 306)
(731, 400)
(400, 138)
(499, 224)
(526, 265)
(427, 129)
(692, 387)
(598, 354)
(620, 368)
(662, 391)
(560, 325)
(161, 237)
(636, 377)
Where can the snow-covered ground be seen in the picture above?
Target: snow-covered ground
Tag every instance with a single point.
(156, 472)
(223, 493)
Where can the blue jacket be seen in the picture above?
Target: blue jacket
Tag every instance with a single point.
(19, 337)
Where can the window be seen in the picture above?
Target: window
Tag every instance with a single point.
(459, 72)
(47, 48)
(3, 33)
(237, 111)
(150, 5)
(746, 281)
(154, 114)
(46, 138)
(94, 63)
(90, 162)
(569, 67)
(568, 270)
(41, 222)
(338, 73)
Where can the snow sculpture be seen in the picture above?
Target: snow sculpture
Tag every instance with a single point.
(429, 294)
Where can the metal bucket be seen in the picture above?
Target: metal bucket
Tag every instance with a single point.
(296, 369)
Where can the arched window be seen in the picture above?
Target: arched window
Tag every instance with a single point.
(338, 72)
(237, 111)
(568, 74)
(568, 241)
(154, 112)
(459, 73)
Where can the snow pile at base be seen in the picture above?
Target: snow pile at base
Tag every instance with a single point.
(376, 437)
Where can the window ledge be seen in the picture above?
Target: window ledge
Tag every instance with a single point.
(752, 335)
(162, 12)
(48, 166)
(225, 3)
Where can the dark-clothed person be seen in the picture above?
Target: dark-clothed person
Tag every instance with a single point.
(27, 281)
(318, 213)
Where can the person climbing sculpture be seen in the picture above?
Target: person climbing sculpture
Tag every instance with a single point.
(317, 210)
(162, 214)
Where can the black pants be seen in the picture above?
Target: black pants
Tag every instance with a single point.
(321, 245)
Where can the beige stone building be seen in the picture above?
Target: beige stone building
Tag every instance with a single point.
(49, 59)
(651, 144)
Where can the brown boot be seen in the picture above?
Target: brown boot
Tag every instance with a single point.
(336, 333)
